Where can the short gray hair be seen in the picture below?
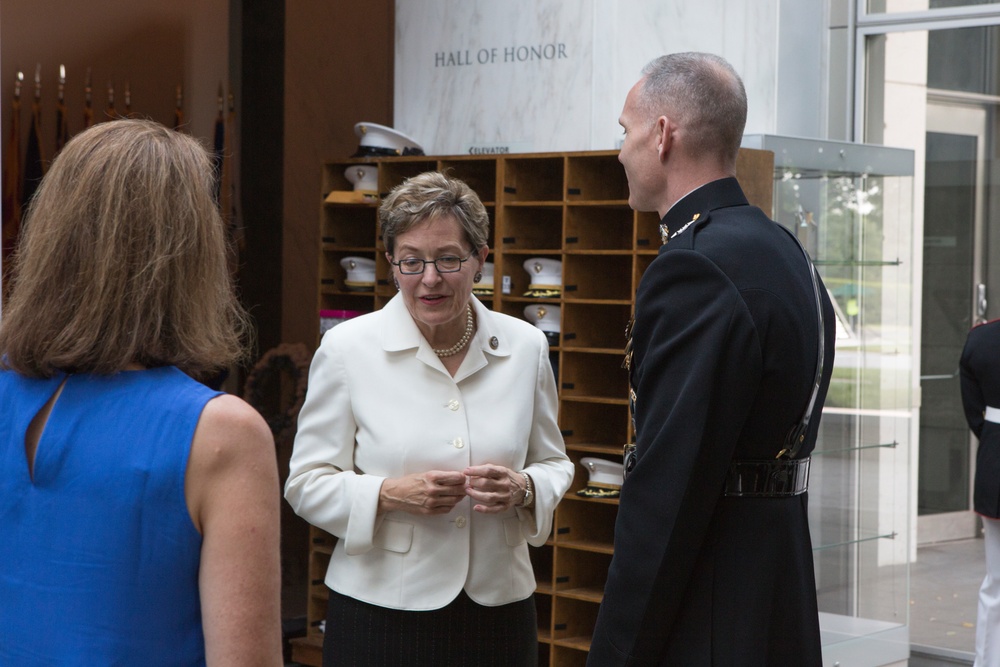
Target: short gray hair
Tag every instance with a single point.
(704, 93)
(427, 196)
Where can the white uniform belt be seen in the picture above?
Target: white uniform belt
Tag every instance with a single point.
(992, 414)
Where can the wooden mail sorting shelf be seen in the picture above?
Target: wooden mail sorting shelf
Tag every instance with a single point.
(351, 197)
(570, 207)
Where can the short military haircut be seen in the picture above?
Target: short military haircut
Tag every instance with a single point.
(704, 94)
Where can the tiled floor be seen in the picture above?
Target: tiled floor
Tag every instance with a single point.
(944, 585)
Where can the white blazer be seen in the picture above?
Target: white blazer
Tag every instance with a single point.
(381, 404)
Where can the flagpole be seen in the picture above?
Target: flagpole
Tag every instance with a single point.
(218, 144)
(88, 101)
(62, 129)
(227, 196)
(226, 187)
(179, 108)
(109, 111)
(34, 160)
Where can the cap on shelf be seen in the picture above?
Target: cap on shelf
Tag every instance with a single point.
(360, 273)
(546, 277)
(364, 177)
(546, 318)
(378, 140)
(605, 478)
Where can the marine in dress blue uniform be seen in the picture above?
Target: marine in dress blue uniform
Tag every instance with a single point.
(723, 357)
(980, 382)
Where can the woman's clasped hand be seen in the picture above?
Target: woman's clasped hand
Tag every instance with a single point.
(492, 488)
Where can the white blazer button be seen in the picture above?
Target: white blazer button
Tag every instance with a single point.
(453, 405)
(457, 442)
(460, 522)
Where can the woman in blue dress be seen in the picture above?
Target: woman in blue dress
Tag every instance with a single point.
(138, 507)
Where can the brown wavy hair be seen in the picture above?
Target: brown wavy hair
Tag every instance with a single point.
(122, 260)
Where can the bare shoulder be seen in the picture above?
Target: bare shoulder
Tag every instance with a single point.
(234, 499)
(232, 452)
(229, 425)
(228, 412)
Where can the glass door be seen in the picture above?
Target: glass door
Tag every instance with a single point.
(954, 298)
(937, 91)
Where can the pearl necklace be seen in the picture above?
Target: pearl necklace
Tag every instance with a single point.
(463, 341)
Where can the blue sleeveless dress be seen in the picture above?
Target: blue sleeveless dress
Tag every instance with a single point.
(98, 555)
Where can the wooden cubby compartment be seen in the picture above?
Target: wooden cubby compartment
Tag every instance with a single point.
(594, 326)
(598, 277)
(647, 233)
(541, 561)
(393, 172)
(575, 656)
(532, 228)
(543, 609)
(597, 228)
(585, 523)
(595, 177)
(573, 623)
(538, 178)
(544, 649)
(567, 206)
(348, 226)
(333, 299)
(594, 376)
(584, 423)
(581, 574)
(480, 175)
(333, 178)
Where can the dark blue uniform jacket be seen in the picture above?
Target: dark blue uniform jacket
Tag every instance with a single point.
(980, 382)
(725, 347)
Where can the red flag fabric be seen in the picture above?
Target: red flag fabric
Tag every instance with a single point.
(179, 109)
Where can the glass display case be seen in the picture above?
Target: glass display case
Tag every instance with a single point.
(851, 206)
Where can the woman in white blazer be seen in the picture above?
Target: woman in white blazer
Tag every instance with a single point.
(428, 444)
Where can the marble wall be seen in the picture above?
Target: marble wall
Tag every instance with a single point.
(551, 75)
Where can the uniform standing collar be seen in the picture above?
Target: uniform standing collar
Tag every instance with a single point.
(722, 193)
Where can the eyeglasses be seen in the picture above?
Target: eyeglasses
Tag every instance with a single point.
(447, 264)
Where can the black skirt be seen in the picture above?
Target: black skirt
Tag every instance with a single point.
(359, 634)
